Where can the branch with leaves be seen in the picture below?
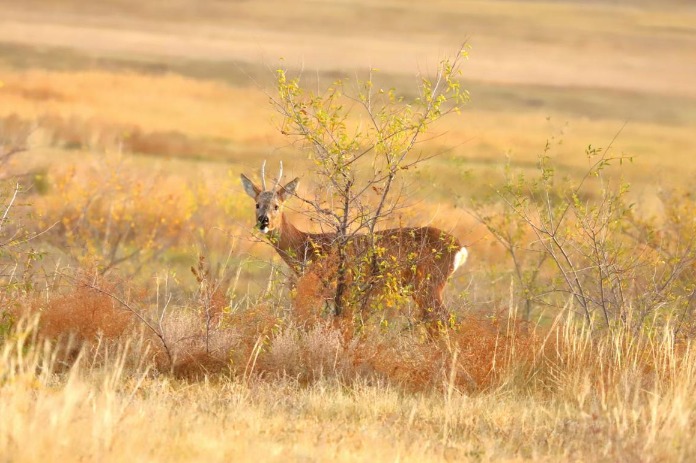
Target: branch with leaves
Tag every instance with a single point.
(361, 141)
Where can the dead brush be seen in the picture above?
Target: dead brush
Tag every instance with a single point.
(80, 319)
(214, 338)
(193, 362)
(310, 299)
(255, 326)
(491, 350)
(197, 350)
(478, 354)
(307, 354)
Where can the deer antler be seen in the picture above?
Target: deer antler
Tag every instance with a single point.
(263, 175)
(280, 175)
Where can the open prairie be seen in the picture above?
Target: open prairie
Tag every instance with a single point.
(141, 317)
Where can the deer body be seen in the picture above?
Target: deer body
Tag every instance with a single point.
(420, 258)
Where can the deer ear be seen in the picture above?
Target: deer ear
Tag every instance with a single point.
(251, 189)
(288, 190)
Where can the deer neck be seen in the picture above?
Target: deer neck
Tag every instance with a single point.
(290, 243)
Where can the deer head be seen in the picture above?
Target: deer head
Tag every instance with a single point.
(269, 203)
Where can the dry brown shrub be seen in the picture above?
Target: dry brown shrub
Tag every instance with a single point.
(475, 356)
(195, 363)
(310, 296)
(490, 349)
(410, 363)
(212, 293)
(198, 353)
(231, 346)
(86, 314)
(211, 311)
(81, 318)
(254, 326)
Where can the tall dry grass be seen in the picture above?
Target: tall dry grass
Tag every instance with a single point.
(209, 374)
(487, 392)
(100, 368)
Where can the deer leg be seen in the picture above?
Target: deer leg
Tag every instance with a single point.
(429, 287)
(439, 309)
(429, 301)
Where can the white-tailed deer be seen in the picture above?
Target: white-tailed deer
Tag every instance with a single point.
(422, 258)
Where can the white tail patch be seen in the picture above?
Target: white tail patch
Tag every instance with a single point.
(460, 258)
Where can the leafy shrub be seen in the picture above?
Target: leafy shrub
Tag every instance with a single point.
(579, 240)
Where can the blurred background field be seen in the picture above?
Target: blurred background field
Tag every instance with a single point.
(181, 89)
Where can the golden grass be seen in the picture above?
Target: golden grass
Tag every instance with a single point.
(177, 116)
(270, 384)
(622, 398)
(149, 103)
(548, 43)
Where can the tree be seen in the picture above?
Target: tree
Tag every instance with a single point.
(361, 142)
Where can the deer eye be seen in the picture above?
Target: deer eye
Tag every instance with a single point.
(276, 207)
(257, 206)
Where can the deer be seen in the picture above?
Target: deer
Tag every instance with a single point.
(426, 256)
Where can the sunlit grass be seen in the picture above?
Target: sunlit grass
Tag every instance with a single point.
(617, 398)
(127, 143)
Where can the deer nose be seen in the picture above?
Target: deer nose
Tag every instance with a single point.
(263, 220)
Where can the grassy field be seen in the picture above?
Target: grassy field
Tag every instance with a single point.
(138, 118)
